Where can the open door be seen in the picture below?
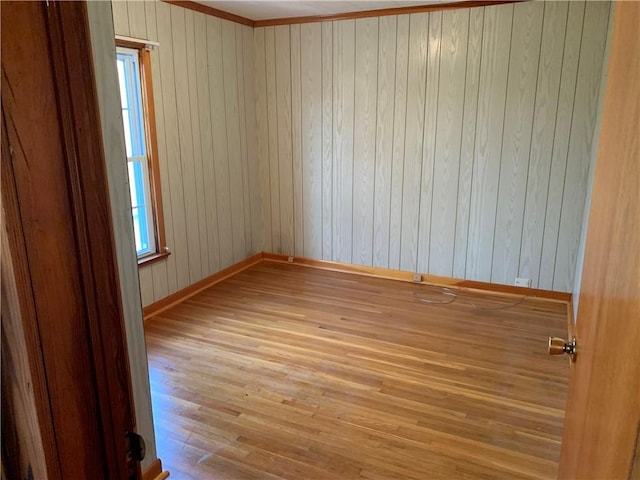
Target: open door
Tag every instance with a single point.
(603, 407)
(67, 352)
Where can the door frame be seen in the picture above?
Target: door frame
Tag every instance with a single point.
(69, 64)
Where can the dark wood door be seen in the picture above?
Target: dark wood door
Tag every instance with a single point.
(603, 408)
(59, 234)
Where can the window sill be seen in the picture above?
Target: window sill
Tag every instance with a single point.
(149, 259)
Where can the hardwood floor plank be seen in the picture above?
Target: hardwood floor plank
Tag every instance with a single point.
(287, 372)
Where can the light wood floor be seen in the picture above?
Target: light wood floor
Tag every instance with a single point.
(289, 372)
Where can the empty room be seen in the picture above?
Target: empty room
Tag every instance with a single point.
(321, 239)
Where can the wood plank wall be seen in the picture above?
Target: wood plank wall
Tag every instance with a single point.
(205, 115)
(453, 143)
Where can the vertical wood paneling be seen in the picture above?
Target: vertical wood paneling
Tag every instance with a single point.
(473, 115)
(296, 140)
(185, 140)
(160, 269)
(545, 111)
(137, 19)
(146, 285)
(449, 143)
(384, 139)
(262, 130)
(285, 147)
(201, 255)
(219, 127)
(206, 145)
(364, 141)
(120, 18)
(244, 140)
(467, 144)
(311, 121)
(343, 122)
(562, 131)
(172, 139)
(596, 18)
(429, 141)
(414, 135)
(253, 167)
(489, 130)
(234, 152)
(451, 98)
(516, 140)
(327, 140)
(272, 125)
(399, 135)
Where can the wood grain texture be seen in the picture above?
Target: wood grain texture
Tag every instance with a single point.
(253, 166)
(429, 140)
(428, 279)
(27, 426)
(448, 140)
(186, 167)
(56, 201)
(562, 133)
(154, 471)
(468, 140)
(220, 141)
(311, 129)
(185, 293)
(596, 18)
(414, 135)
(137, 19)
(262, 130)
(285, 145)
(200, 254)
(210, 224)
(120, 17)
(603, 405)
(456, 191)
(234, 156)
(172, 139)
(245, 139)
(494, 70)
(308, 381)
(469, 153)
(272, 119)
(385, 118)
(327, 140)
(296, 139)
(164, 273)
(543, 133)
(516, 139)
(343, 124)
(104, 56)
(364, 137)
(399, 134)
(203, 77)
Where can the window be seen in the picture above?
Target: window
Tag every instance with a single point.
(136, 100)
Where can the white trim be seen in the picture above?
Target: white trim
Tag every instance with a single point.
(147, 43)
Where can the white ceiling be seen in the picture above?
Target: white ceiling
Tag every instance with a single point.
(268, 9)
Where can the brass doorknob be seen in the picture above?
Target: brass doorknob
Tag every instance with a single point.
(558, 346)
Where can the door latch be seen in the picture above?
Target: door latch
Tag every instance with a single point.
(136, 448)
(558, 346)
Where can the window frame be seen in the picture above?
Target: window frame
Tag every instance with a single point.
(151, 140)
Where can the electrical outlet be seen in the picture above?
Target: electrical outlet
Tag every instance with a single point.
(417, 277)
(523, 282)
(290, 259)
